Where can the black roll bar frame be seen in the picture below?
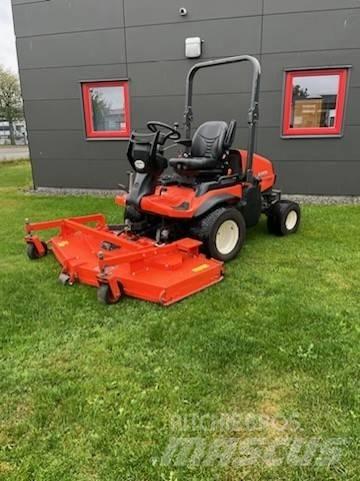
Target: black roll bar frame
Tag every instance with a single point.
(253, 113)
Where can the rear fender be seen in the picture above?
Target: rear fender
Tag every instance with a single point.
(214, 201)
(262, 168)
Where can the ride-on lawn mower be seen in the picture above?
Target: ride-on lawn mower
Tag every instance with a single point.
(179, 228)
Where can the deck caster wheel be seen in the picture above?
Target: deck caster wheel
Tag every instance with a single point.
(105, 295)
(64, 279)
(32, 251)
(284, 218)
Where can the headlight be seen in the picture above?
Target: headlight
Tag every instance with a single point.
(139, 164)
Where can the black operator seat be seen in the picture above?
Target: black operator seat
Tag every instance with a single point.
(209, 144)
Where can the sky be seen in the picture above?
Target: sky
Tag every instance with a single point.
(8, 56)
(324, 85)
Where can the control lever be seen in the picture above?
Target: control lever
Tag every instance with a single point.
(123, 187)
(130, 182)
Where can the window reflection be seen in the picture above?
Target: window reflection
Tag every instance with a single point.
(108, 108)
(314, 101)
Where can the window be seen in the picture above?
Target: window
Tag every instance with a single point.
(106, 109)
(314, 102)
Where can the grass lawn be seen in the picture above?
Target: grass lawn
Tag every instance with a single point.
(92, 392)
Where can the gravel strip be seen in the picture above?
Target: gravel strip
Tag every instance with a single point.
(302, 199)
(324, 199)
(74, 192)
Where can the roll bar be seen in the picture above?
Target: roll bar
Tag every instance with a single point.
(253, 113)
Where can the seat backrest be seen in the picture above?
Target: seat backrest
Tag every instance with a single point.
(208, 140)
(230, 135)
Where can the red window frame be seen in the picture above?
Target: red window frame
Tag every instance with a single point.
(336, 130)
(91, 133)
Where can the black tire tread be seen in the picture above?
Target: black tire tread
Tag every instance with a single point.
(276, 216)
(104, 295)
(202, 231)
(33, 253)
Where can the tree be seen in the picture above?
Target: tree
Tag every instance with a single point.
(10, 100)
(300, 93)
(101, 110)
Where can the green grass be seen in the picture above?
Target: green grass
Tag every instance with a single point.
(88, 392)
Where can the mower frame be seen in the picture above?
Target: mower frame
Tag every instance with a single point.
(167, 249)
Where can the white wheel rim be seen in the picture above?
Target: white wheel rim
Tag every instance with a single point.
(227, 237)
(291, 220)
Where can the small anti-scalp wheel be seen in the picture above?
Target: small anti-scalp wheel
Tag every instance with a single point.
(32, 251)
(105, 295)
(284, 218)
(222, 232)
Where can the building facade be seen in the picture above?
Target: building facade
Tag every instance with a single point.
(93, 70)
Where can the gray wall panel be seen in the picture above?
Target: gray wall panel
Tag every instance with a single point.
(273, 65)
(56, 144)
(270, 144)
(278, 6)
(19, 2)
(54, 114)
(167, 42)
(270, 109)
(61, 16)
(241, 138)
(330, 178)
(352, 113)
(140, 12)
(85, 48)
(88, 173)
(222, 107)
(311, 31)
(205, 107)
(165, 109)
(167, 78)
(64, 82)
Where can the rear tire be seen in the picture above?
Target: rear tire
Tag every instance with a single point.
(222, 232)
(284, 218)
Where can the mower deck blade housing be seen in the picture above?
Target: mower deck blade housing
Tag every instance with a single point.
(130, 265)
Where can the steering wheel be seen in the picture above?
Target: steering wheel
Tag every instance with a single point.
(155, 126)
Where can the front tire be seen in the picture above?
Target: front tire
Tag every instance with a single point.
(222, 232)
(284, 218)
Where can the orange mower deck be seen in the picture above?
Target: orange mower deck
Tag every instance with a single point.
(119, 263)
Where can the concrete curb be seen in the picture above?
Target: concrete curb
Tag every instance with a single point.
(13, 154)
(302, 199)
(324, 199)
(74, 192)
